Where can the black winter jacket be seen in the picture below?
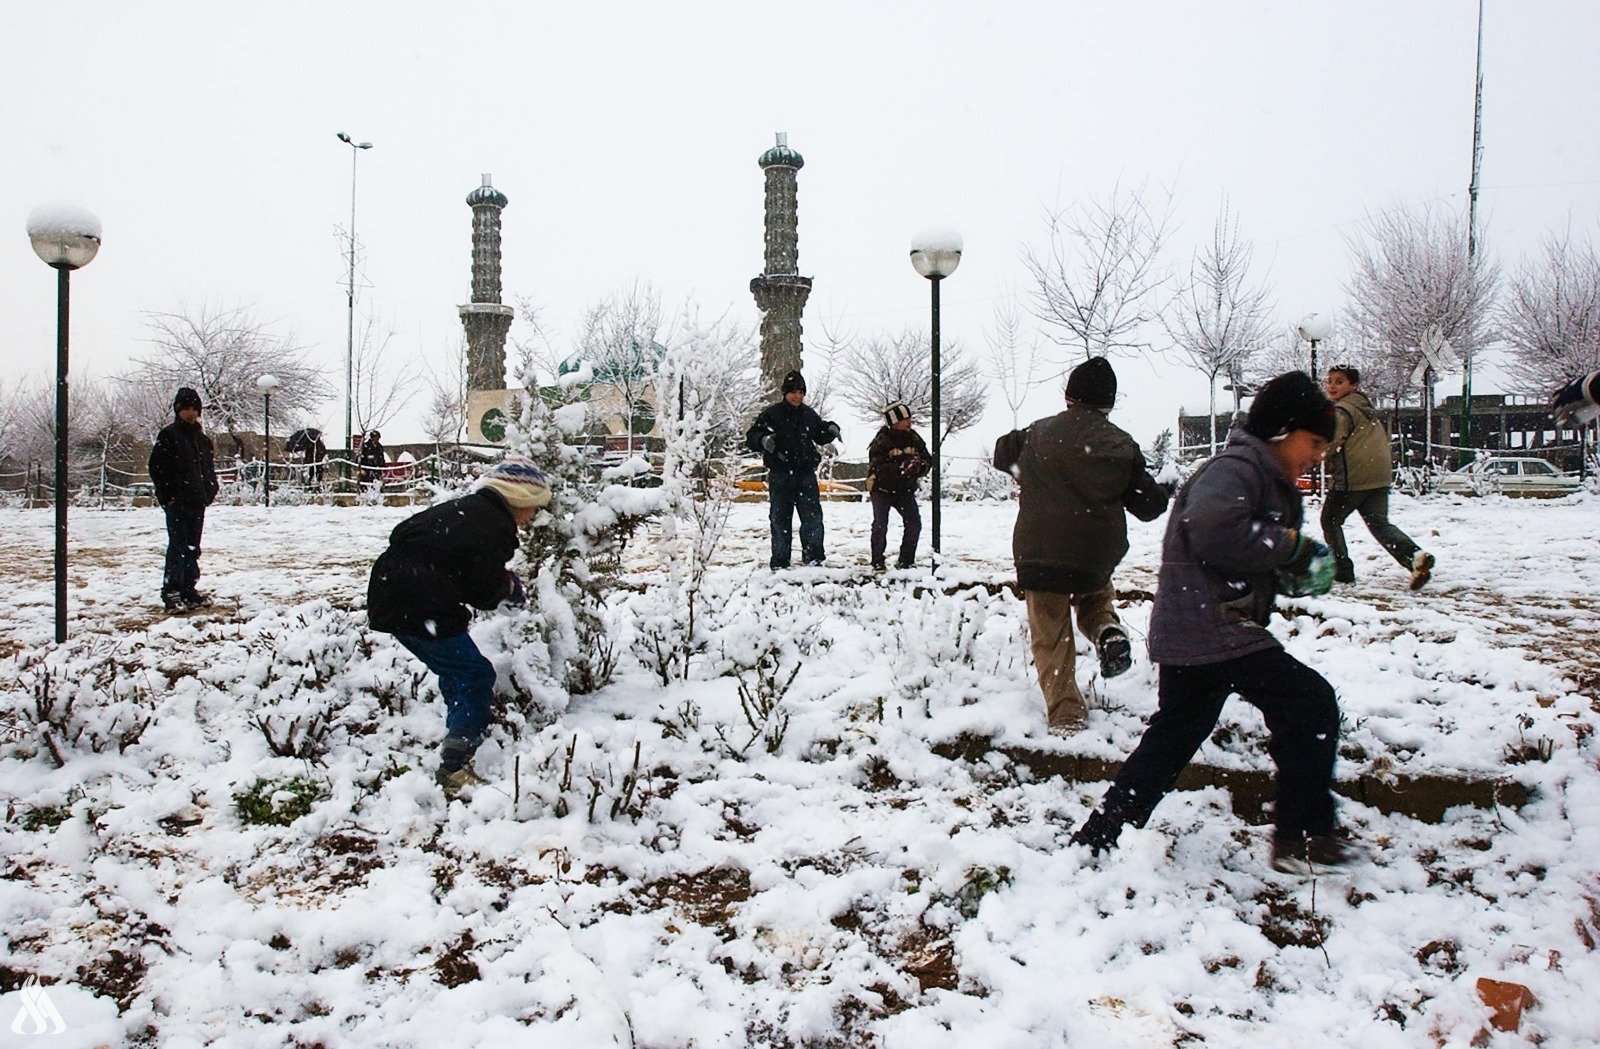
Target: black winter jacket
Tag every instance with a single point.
(181, 466)
(896, 459)
(796, 430)
(441, 560)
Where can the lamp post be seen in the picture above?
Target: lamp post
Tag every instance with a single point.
(266, 384)
(935, 254)
(350, 295)
(1314, 328)
(66, 237)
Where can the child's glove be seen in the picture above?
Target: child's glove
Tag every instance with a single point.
(830, 433)
(1309, 572)
(769, 444)
(519, 596)
(1572, 406)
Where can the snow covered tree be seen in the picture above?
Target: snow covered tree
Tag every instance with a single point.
(221, 352)
(1550, 316)
(1013, 367)
(1097, 276)
(620, 341)
(875, 372)
(1410, 273)
(1218, 316)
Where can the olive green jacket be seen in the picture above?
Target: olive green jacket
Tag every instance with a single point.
(1359, 459)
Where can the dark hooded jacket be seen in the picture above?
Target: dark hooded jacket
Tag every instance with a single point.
(896, 459)
(1079, 472)
(1227, 535)
(796, 431)
(182, 467)
(441, 560)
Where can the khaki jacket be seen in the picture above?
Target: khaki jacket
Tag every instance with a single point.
(1359, 458)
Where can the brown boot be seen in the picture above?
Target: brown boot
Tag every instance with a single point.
(1421, 569)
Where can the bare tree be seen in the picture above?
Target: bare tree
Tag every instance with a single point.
(1096, 278)
(725, 384)
(619, 340)
(221, 352)
(1218, 317)
(1410, 273)
(446, 418)
(537, 354)
(380, 385)
(878, 371)
(1013, 366)
(1550, 316)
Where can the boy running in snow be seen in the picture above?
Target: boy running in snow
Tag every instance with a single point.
(440, 561)
(1233, 542)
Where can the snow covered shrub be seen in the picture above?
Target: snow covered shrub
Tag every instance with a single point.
(696, 492)
(86, 697)
(983, 485)
(600, 785)
(277, 802)
(765, 667)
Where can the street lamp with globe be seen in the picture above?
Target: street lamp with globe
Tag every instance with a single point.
(266, 384)
(1314, 328)
(935, 254)
(66, 237)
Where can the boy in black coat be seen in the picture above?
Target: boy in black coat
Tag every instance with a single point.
(440, 561)
(184, 474)
(896, 459)
(786, 435)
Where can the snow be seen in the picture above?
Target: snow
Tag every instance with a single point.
(936, 238)
(836, 882)
(63, 218)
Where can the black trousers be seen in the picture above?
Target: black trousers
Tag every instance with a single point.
(182, 569)
(1373, 506)
(1302, 715)
(791, 492)
(905, 504)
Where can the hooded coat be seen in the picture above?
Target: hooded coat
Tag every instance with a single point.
(1227, 535)
(182, 466)
(441, 560)
(1079, 472)
(1359, 459)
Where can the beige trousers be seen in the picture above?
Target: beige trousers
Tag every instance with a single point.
(1054, 650)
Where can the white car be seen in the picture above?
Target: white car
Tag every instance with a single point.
(1509, 475)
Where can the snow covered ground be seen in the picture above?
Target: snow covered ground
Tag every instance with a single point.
(653, 867)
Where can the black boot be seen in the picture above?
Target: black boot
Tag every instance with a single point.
(1116, 655)
(1344, 570)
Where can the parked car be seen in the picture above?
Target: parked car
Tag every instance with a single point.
(1509, 475)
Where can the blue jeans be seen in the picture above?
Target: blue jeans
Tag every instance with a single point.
(182, 569)
(790, 492)
(466, 679)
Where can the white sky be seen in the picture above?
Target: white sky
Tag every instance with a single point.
(625, 136)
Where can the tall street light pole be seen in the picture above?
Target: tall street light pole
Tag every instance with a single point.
(266, 384)
(1314, 328)
(66, 237)
(350, 298)
(935, 254)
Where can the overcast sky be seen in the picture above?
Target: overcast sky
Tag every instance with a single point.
(625, 136)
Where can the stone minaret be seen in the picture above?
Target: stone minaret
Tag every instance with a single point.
(486, 319)
(780, 291)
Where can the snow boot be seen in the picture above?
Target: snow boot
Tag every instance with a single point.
(1421, 569)
(460, 782)
(195, 599)
(1344, 570)
(1313, 855)
(1116, 654)
(173, 602)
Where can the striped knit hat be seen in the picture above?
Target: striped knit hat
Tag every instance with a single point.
(895, 412)
(524, 485)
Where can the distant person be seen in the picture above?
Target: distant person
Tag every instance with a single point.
(307, 444)
(1233, 543)
(787, 435)
(439, 562)
(1360, 472)
(373, 459)
(1578, 402)
(896, 459)
(184, 474)
(1079, 472)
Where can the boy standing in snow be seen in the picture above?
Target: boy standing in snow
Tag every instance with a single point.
(786, 436)
(1079, 472)
(1360, 469)
(1233, 542)
(896, 459)
(184, 474)
(438, 562)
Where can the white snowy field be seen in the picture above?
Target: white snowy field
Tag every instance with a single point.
(654, 868)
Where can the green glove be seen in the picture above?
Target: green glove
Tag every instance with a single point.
(1308, 572)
